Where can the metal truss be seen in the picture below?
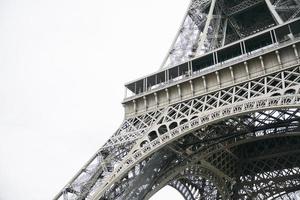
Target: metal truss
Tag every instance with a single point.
(270, 169)
(242, 6)
(209, 24)
(184, 118)
(284, 10)
(108, 156)
(216, 153)
(159, 128)
(186, 41)
(218, 163)
(203, 29)
(202, 146)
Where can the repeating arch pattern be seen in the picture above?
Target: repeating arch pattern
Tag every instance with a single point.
(256, 104)
(146, 145)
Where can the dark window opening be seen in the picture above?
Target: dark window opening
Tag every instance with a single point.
(229, 52)
(258, 42)
(203, 62)
(295, 28)
(282, 33)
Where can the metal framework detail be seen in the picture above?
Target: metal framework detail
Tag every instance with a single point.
(230, 129)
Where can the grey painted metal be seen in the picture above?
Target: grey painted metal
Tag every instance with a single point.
(274, 12)
(194, 131)
(177, 35)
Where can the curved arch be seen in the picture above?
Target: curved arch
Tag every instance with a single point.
(266, 186)
(194, 117)
(192, 191)
(183, 121)
(190, 170)
(203, 119)
(290, 91)
(152, 135)
(173, 125)
(162, 129)
(182, 189)
(182, 171)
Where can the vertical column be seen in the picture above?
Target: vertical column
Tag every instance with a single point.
(145, 102)
(204, 83)
(278, 58)
(296, 52)
(247, 69)
(192, 87)
(189, 69)
(218, 79)
(145, 84)
(167, 94)
(262, 64)
(214, 58)
(242, 47)
(179, 91)
(156, 99)
(232, 74)
(134, 106)
(275, 36)
(166, 76)
(217, 58)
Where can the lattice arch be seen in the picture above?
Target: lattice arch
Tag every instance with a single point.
(218, 85)
(254, 105)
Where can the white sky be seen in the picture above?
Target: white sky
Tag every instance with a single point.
(63, 64)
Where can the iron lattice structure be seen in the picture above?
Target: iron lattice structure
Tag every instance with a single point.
(219, 120)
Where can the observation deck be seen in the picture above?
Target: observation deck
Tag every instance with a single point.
(264, 52)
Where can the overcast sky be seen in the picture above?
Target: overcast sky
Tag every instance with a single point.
(63, 64)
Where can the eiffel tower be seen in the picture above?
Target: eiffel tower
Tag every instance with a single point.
(220, 119)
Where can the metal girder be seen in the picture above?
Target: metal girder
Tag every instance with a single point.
(207, 23)
(275, 167)
(274, 12)
(200, 134)
(242, 6)
(191, 39)
(284, 10)
(224, 102)
(183, 45)
(185, 128)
